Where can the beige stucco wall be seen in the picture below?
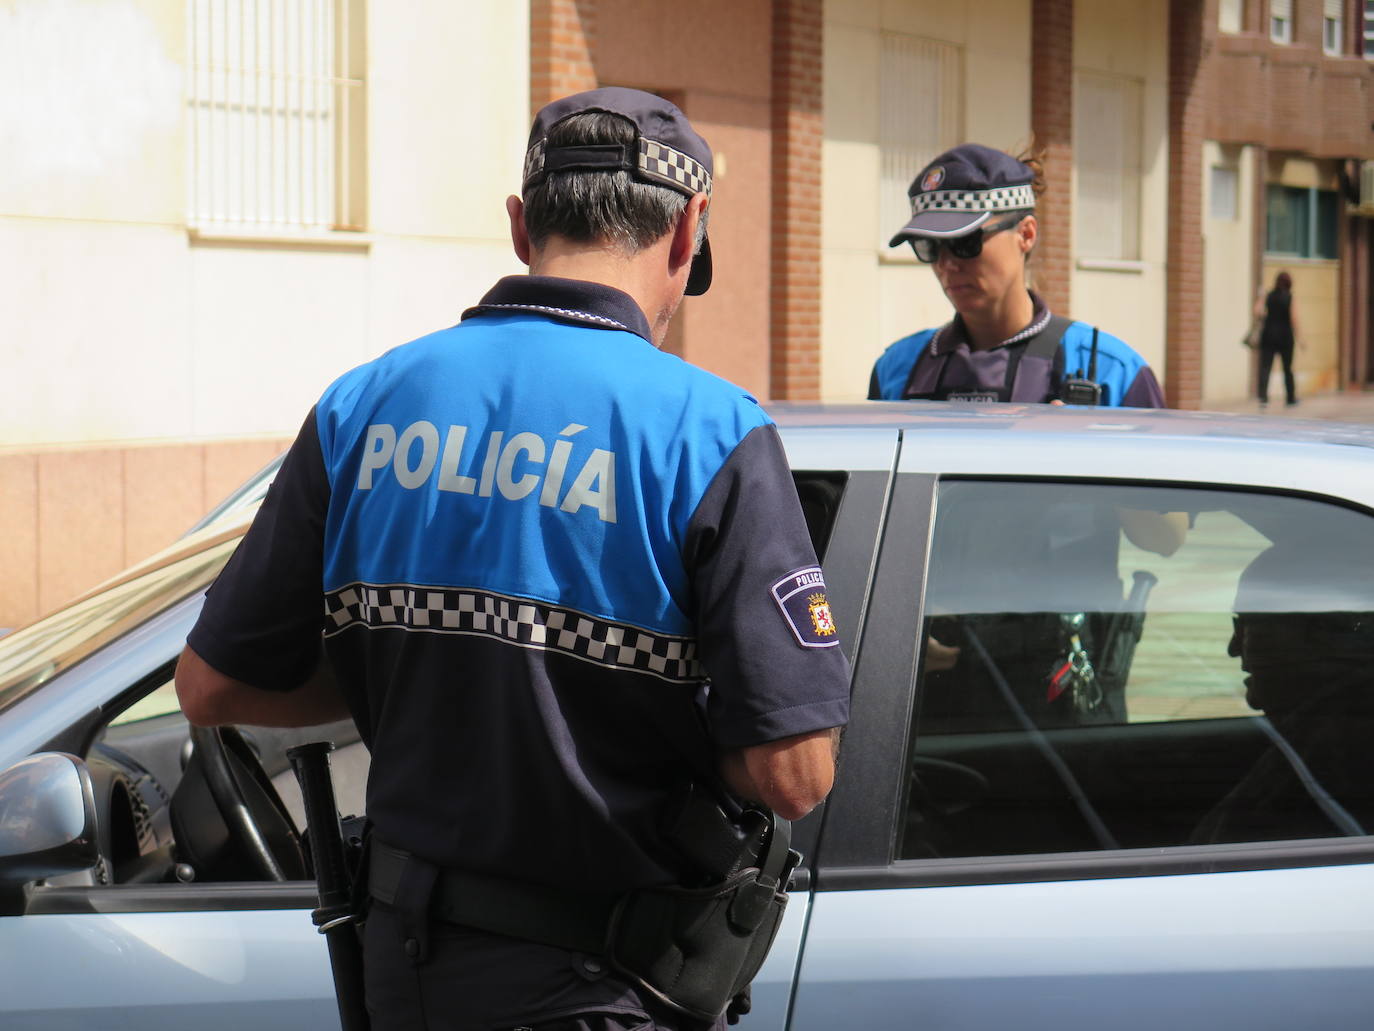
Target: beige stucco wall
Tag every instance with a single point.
(147, 371)
(1228, 296)
(1130, 38)
(871, 296)
(122, 327)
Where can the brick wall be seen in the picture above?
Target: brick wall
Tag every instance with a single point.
(1291, 97)
(562, 49)
(1188, 32)
(795, 302)
(1052, 124)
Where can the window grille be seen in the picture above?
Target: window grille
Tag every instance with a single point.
(1368, 33)
(1281, 21)
(1107, 164)
(921, 114)
(276, 115)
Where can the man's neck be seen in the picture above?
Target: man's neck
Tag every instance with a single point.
(610, 266)
(992, 326)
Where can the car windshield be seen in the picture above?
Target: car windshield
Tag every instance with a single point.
(34, 654)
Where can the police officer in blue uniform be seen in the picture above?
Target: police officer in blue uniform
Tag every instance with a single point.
(972, 217)
(553, 573)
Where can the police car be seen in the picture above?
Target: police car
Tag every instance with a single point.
(1109, 757)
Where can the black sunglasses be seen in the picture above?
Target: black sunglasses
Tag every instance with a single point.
(968, 246)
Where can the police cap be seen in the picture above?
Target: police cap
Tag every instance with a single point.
(666, 151)
(962, 188)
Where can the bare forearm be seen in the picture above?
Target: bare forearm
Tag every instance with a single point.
(209, 698)
(791, 776)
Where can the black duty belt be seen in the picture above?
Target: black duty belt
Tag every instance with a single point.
(560, 917)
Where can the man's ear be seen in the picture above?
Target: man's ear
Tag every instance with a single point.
(519, 237)
(1029, 230)
(684, 243)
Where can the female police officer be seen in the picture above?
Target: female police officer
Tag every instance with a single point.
(972, 218)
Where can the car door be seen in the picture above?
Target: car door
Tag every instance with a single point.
(1007, 848)
(843, 483)
(101, 949)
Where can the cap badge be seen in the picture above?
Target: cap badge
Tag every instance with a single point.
(933, 178)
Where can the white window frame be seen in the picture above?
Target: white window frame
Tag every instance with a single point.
(1281, 21)
(277, 126)
(920, 115)
(1223, 193)
(1230, 16)
(1333, 27)
(1108, 176)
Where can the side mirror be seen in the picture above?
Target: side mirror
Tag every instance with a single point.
(47, 818)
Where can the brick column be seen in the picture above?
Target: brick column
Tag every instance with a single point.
(562, 49)
(1184, 290)
(1052, 124)
(795, 301)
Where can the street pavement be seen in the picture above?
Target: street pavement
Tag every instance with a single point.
(1339, 406)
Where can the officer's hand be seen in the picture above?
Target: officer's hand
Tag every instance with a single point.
(940, 657)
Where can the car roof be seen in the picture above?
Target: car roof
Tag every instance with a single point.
(1159, 445)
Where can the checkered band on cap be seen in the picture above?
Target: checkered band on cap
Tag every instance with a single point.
(1003, 198)
(534, 161)
(657, 162)
(516, 621)
(672, 167)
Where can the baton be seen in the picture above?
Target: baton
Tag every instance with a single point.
(334, 917)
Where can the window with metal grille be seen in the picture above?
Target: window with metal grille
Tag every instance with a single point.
(1230, 15)
(1333, 23)
(1107, 163)
(277, 115)
(1369, 28)
(1281, 21)
(1301, 222)
(921, 114)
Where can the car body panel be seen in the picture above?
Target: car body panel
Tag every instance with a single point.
(1260, 949)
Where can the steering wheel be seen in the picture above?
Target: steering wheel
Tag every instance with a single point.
(253, 813)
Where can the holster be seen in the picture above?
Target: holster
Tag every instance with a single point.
(697, 948)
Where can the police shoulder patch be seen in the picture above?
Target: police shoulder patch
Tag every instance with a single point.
(801, 598)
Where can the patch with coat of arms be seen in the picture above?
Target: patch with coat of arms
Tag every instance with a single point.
(801, 598)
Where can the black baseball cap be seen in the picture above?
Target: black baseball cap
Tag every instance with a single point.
(963, 188)
(667, 151)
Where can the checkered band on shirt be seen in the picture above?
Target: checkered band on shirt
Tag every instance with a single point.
(657, 162)
(516, 621)
(1004, 198)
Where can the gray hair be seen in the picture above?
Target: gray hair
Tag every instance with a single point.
(592, 206)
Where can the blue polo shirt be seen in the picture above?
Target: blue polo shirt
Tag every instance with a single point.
(556, 572)
(940, 364)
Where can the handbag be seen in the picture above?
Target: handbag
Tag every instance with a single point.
(1252, 338)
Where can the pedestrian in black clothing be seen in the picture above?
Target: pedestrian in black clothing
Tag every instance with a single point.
(1278, 334)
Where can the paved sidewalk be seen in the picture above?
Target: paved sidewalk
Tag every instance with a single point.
(1343, 406)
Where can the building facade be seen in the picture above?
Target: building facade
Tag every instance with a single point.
(208, 210)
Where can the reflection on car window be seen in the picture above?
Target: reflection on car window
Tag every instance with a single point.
(1141, 667)
(161, 701)
(32, 655)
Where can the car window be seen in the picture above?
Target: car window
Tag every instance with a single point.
(34, 654)
(1110, 666)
